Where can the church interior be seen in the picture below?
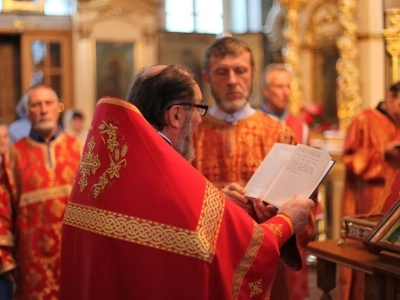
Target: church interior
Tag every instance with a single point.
(343, 56)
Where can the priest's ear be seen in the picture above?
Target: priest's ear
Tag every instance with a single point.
(173, 116)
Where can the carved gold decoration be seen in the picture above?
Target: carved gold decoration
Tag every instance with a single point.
(291, 52)
(348, 86)
(324, 26)
(392, 39)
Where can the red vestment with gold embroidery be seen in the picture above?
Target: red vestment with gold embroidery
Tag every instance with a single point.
(231, 152)
(143, 223)
(369, 177)
(33, 196)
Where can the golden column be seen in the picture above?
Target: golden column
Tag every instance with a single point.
(348, 82)
(392, 38)
(291, 52)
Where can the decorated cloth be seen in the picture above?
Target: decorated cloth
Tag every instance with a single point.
(231, 152)
(142, 222)
(34, 190)
(369, 178)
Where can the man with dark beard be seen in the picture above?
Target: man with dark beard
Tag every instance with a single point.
(234, 138)
(142, 223)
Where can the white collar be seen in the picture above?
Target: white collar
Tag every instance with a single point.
(165, 137)
(243, 113)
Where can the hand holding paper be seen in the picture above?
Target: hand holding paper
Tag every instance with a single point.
(288, 171)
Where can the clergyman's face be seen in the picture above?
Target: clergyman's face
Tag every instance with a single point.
(192, 120)
(43, 109)
(231, 80)
(277, 90)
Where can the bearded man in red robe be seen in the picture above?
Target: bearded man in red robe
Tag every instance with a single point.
(234, 138)
(143, 223)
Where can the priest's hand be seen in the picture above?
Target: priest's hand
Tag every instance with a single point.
(297, 210)
(236, 193)
(263, 212)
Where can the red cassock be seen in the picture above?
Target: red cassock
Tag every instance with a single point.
(142, 223)
(231, 152)
(34, 191)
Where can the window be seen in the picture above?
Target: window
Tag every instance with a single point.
(204, 16)
(207, 16)
(59, 7)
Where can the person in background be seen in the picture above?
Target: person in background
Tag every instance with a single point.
(4, 137)
(276, 90)
(40, 169)
(74, 123)
(371, 156)
(6, 286)
(234, 138)
(21, 127)
(158, 227)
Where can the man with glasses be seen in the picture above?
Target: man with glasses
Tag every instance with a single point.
(142, 223)
(234, 138)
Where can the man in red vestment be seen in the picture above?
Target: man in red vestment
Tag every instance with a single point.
(143, 223)
(372, 158)
(35, 184)
(276, 90)
(234, 138)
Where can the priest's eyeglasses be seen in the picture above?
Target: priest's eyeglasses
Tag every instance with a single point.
(202, 107)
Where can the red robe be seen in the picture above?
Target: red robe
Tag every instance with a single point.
(228, 153)
(369, 177)
(143, 223)
(33, 196)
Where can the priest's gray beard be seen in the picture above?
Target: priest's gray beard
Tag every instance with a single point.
(185, 144)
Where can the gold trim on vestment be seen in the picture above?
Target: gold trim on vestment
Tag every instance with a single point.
(247, 259)
(41, 195)
(119, 102)
(199, 244)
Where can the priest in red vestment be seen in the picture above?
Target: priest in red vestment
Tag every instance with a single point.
(35, 184)
(233, 138)
(372, 160)
(143, 223)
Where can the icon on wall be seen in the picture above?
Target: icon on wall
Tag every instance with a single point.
(114, 68)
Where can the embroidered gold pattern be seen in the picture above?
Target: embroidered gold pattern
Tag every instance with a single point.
(247, 259)
(199, 244)
(42, 195)
(117, 153)
(255, 287)
(277, 229)
(89, 163)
